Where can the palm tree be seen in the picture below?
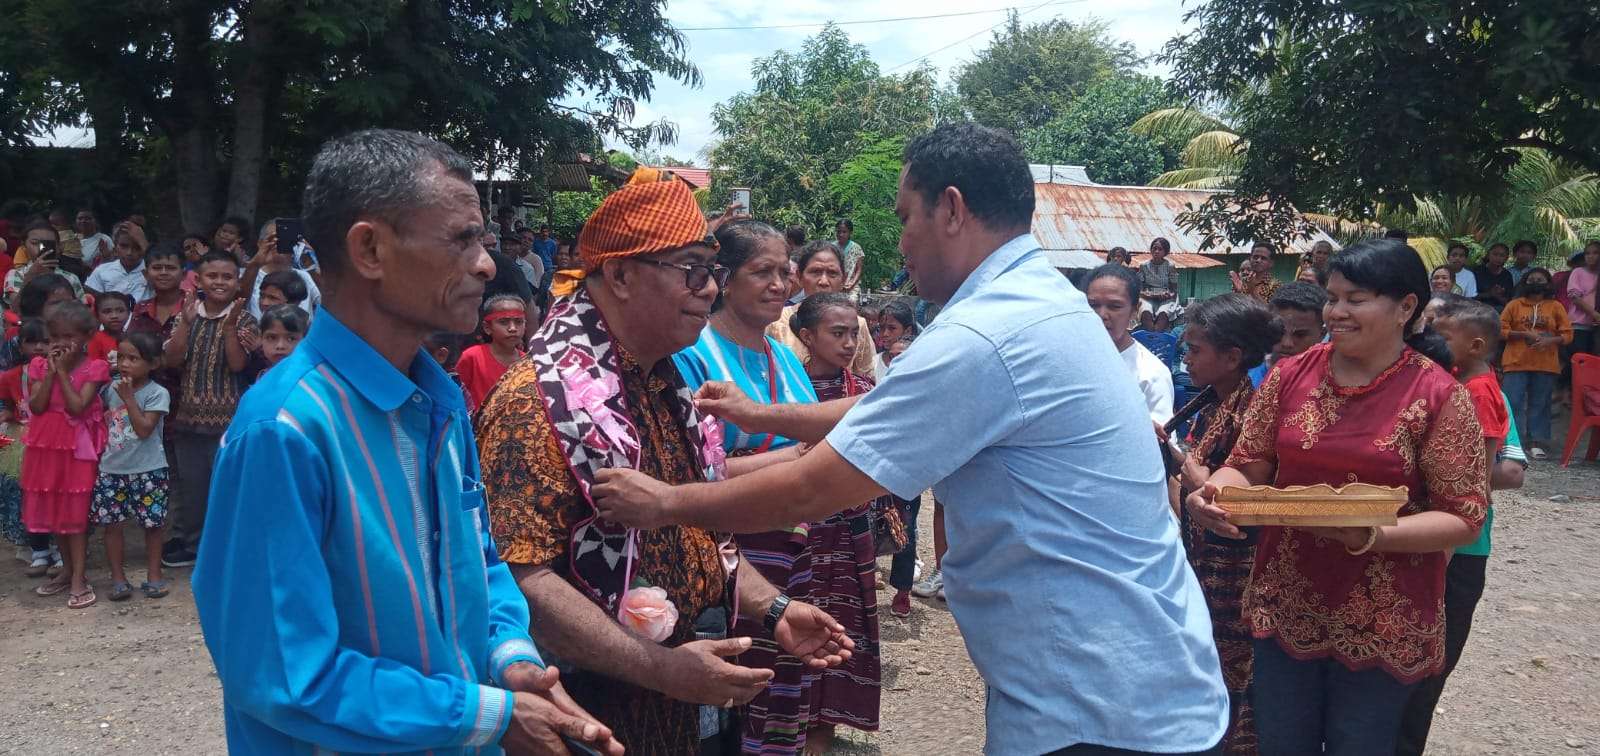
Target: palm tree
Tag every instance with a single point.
(1545, 199)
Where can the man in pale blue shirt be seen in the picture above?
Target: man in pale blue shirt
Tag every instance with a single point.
(1064, 572)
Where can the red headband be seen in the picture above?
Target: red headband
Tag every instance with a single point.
(503, 314)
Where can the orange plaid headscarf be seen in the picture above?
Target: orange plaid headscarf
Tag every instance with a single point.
(655, 212)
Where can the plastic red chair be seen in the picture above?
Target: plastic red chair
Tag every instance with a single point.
(1585, 387)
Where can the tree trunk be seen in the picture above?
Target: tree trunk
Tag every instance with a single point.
(253, 86)
(194, 154)
(109, 123)
(190, 123)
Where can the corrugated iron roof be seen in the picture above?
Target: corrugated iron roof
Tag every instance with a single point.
(699, 178)
(1082, 259)
(1074, 216)
(568, 177)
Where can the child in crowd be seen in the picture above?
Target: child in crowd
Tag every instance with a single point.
(280, 288)
(64, 441)
(211, 345)
(1113, 293)
(895, 321)
(505, 318)
(269, 260)
(1455, 259)
(1472, 329)
(125, 273)
(1534, 327)
(1299, 305)
(282, 328)
(132, 484)
(11, 526)
(445, 349)
(112, 309)
(15, 391)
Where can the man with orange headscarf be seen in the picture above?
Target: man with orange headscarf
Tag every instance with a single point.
(619, 606)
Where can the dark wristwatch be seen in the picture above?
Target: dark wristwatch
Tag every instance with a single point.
(775, 613)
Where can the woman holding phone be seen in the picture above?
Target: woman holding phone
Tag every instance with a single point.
(43, 246)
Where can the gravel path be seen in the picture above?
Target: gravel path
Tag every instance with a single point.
(135, 678)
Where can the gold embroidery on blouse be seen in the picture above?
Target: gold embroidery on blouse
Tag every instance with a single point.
(1453, 461)
(1319, 412)
(1409, 429)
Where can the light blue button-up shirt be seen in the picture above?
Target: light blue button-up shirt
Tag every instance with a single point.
(349, 592)
(1065, 572)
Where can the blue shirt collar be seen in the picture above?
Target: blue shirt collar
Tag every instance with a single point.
(374, 377)
(998, 261)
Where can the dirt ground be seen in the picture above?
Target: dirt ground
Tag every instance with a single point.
(135, 678)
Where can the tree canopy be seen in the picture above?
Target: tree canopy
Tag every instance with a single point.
(809, 114)
(235, 95)
(1093, 131)
(1028, 75)
(1353, 105)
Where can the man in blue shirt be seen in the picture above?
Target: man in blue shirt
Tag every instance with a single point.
(545, 247)
(347, 589)
(1064, 569)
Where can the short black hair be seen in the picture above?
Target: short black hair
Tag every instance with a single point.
(165, 250)
(147, 343)
(1498, 245)
(1455, 245)
(1237, 321)
(795, 235)
(113, 296)
(41, 225)
(816, 248)
(811, 309)
(1166, 246)
(291, 317)
(33, 331)
(1268, 246)
(244, 226)
(1478, 317)
(288, 282)
(381, 173)
(30, 302)
(1525, 243)
(1397, 233)
(73, 314)
(1128, 278)
(848, 226)
(902, 314)
(1301, 296)
(985, 164)
(217, 255)
(1391, 268)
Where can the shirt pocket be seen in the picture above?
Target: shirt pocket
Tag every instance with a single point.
(471, 501)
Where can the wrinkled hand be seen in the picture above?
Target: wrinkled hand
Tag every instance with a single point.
(526, 677)
(537, 726)
(1203, 508)
(809, 634)
(726, 401)
(630, 498)
(696, 673)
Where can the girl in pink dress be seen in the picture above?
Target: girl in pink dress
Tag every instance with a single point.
(64, 442)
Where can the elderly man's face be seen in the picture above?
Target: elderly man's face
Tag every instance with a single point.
(435, 266)
(665, 304)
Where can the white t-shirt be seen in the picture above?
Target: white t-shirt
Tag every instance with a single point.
(313, 294)
(91, 249)
(112, 276)
(1155, 380)
(1467, 282)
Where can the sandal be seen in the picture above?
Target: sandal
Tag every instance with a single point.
(52, 587)
(155, 590)
(81, 600)
(120, 591)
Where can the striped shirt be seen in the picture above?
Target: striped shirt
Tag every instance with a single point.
(715, 357)
(349, 593)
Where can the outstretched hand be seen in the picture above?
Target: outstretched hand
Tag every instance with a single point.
(631, 498)
(1202, 505)
(815, 638)
(725, 401)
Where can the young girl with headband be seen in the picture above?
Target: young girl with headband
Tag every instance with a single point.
(505, 321)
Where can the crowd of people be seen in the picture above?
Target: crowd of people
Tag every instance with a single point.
(450, 484)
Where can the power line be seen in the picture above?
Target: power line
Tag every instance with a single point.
(842, 23)
(927, 55)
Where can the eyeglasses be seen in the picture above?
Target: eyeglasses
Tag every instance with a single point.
(695, 276)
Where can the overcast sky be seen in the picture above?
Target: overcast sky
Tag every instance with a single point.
(724, 57)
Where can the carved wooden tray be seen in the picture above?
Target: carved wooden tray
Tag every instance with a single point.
(1322, 505)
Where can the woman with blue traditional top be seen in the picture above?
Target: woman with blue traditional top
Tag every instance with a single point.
(734, 347)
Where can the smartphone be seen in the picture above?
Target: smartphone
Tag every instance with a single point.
(741, 195)
(290, 233)
(47, 248)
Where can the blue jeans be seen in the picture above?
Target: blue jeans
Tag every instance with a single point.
(903, 567)
(1529, 392)
(1302, 705)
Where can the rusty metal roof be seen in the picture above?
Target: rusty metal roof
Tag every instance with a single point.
(1076, 216)
(699, 178)
(568, 177)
